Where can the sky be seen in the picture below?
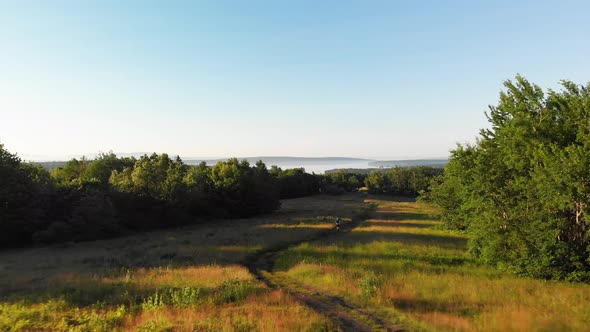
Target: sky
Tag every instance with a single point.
(370, 79)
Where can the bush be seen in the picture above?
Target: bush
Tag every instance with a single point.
(234, 290)
(370, 284)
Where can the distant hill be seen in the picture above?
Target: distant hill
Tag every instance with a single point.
(409, 163)
(270, 160)
(355, 165)
(352, 170)
(284, 162)
(377, 165)
(51, 165)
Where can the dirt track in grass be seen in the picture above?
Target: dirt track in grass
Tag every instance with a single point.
(346, 315)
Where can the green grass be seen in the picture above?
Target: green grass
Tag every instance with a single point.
(403, 267)
(399, 264)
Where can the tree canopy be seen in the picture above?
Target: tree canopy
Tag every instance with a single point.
(523, 189)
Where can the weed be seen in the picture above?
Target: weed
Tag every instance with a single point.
(153, 302)
(158, 325)
(96, 321)
(370, 284)
(234, 290)
(180, 297)
(185, 296)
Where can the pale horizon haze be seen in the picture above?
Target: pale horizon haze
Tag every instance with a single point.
(211, 79)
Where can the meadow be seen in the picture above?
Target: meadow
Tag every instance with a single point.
(396, 266)
(403, 267)
(187, 279)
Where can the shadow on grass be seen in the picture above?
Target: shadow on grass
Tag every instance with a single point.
(221, 243)
(398, 224)
(391, 198)
(93, 293)
(389, 224)
(425, 306)
(347, 258)
(365, 237)
(216, 250)
(405, 216)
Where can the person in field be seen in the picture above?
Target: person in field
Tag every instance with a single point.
(338, 223)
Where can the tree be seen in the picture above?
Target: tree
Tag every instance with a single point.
(523, 188)
(244, 190)
(23, 191)
(406, 181)
(72, 173)
(376, 182)
(101, 168)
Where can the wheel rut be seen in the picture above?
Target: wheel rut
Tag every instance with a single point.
(349, 316)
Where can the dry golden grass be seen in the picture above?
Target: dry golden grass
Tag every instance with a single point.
(398, 264)
(177, 279)
(266, 311)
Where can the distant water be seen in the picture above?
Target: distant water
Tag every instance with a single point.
(311, 165)
(320, 168)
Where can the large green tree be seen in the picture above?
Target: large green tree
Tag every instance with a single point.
(523, 189)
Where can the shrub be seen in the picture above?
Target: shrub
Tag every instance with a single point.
(370, 284)
(234, 290)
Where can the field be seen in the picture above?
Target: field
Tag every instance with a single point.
(288, 271)
(189, 279)
(402, 267)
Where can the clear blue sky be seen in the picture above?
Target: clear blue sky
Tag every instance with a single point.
(380, 79)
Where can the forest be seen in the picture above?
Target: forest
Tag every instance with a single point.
(111, 196)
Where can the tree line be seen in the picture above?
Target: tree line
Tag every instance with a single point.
(523, 189)
(403, 181)
(110, 196)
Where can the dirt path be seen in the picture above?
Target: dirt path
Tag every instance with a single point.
(349, 316)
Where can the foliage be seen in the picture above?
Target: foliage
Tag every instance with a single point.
(341, 181)
(24, 189)
(370, 285)
(408, 181)
(523, 189)
(244, 190)
(179, 297)
(295, 182)
(107, 196)
(234, 290)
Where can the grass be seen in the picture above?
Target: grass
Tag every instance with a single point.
(188, 279)
(398, 264)
(403, 267)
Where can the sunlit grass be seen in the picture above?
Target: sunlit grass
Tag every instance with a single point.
(401, 266)
(398, 264)
(261, 310)
(188, 279)
(324, 226)
(267, 311)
